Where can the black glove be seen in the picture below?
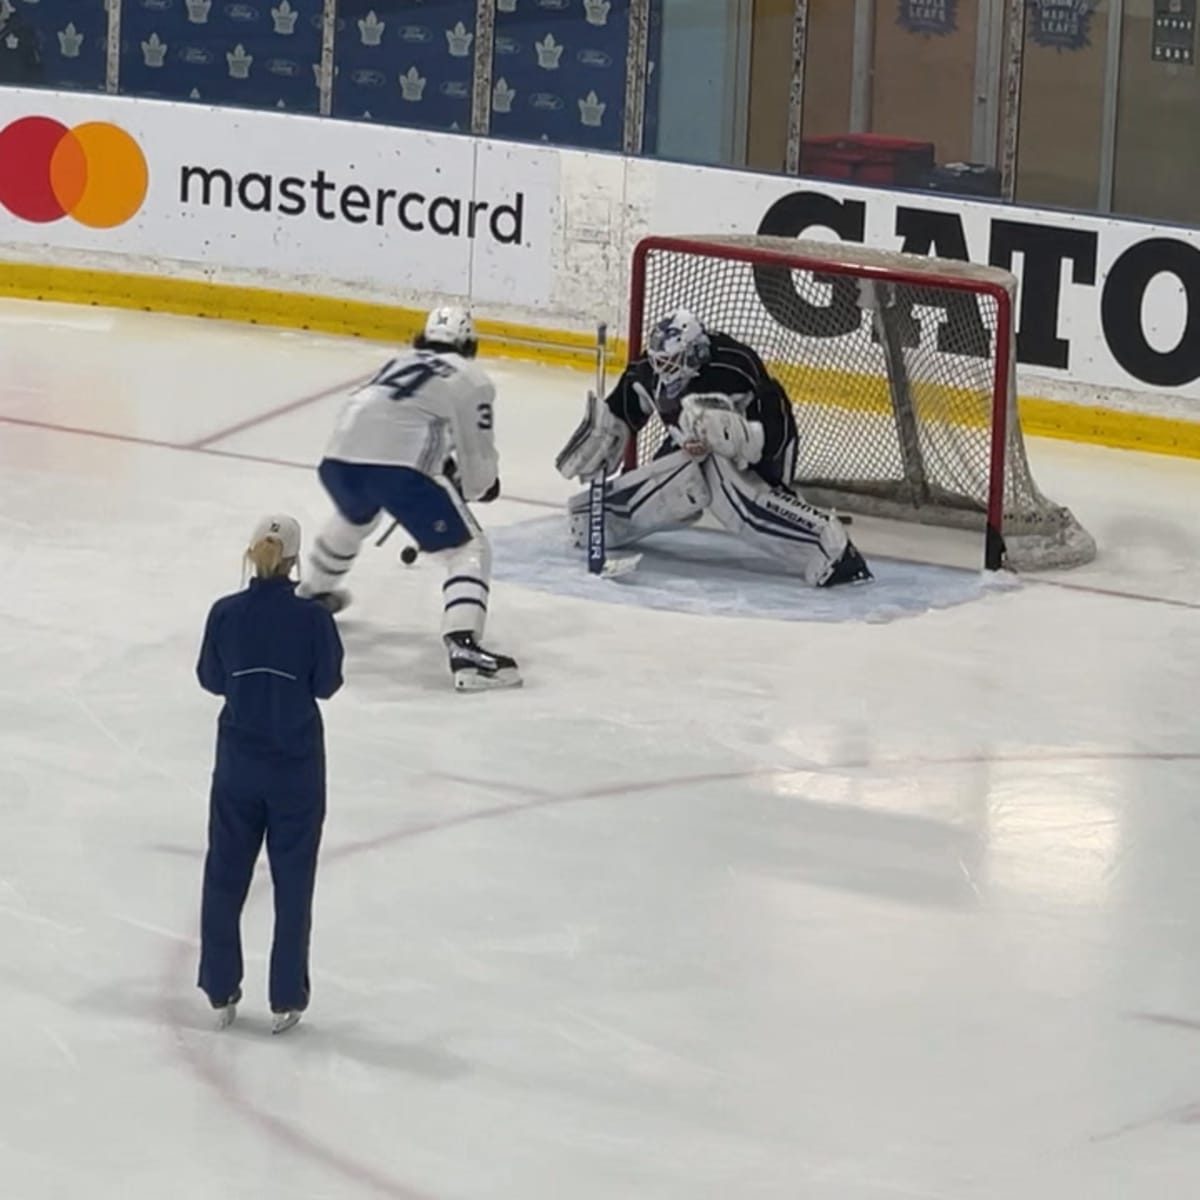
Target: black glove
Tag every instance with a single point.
(491, 493)
(450, 473)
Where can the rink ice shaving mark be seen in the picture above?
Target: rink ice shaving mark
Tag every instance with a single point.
(176, 1012)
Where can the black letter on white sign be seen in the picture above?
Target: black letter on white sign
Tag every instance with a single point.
(941, 233)
(1044, 247)
(1121, 311)
(790, 216)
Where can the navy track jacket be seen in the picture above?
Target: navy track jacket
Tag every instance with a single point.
(272, 655)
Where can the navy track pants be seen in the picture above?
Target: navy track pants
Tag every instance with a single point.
(287, 807)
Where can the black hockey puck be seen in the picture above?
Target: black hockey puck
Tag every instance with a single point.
(408, 555)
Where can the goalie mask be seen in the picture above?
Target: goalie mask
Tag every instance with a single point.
(678, 349)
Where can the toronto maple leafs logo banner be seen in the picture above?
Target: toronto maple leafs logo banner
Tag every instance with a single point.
(1061, 24)
(558, 74)
(937, 17)
(251, 53)
(403, 63)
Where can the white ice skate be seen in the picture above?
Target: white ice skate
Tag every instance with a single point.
(281, 1022)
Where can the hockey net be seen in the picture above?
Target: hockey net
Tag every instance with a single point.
(900, 373)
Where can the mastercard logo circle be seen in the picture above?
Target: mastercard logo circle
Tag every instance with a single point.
(94, 173)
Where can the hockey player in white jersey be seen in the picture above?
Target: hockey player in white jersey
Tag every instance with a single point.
(416, 442)
(730, 448)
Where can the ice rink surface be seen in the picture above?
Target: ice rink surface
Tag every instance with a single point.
(718, 906)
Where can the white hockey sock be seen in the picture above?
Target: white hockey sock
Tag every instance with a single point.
(333, 553)
(465, 592)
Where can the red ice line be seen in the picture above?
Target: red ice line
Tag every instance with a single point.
(361, 1174)
(205, 445)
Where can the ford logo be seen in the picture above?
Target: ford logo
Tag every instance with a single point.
(546, 100)
(196, 55)
(507, 45)
(556, 4)
(415, 33)
(456, 88)
(594, 58)
(241, 12)
(283, 66)
(156, 5)
(366, 78)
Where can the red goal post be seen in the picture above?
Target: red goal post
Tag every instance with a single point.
(900, 370)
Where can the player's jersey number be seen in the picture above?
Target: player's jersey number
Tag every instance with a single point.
(404, 380)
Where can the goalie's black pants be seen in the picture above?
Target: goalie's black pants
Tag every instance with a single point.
(283, 801)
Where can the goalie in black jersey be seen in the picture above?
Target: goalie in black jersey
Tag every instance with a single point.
(730, 448)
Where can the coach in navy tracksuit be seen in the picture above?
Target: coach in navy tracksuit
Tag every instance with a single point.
(271, 655)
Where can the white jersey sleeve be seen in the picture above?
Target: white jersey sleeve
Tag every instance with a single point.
(418, 410)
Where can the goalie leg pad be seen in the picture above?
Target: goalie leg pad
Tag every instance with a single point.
(597, 446)
(665, 493)
(810, 541)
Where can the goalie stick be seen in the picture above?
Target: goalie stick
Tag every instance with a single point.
(597, 551)
(599, 562)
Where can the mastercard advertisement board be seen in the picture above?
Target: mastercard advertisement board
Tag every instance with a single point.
(94, 173)
(235, 192)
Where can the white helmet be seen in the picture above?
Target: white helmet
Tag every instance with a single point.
(449, 327)
(678, 349)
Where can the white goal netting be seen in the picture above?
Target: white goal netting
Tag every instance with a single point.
(900, 373)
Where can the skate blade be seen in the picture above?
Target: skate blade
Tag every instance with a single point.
(226, 1016)
(282, 1022)
(614, 568)
(476, 681)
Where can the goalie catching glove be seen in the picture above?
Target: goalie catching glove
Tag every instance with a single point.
(597, 446)
(715, 422)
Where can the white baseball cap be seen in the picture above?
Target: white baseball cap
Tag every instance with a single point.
(283, 527)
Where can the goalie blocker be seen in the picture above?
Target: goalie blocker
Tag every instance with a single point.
(730, 442)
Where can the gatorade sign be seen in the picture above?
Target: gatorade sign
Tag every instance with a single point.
(94, 173)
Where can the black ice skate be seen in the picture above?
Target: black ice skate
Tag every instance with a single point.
(850, 568)
(332, 602)
(475, 669)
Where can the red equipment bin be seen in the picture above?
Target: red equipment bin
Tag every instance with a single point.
(867, 158)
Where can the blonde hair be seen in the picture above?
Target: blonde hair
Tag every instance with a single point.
(266, 559)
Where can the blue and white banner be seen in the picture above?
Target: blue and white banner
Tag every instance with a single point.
(70, 36)
(559, 71)
(250, 53)
(405, 62)
(938, 17)
(1061, 24)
